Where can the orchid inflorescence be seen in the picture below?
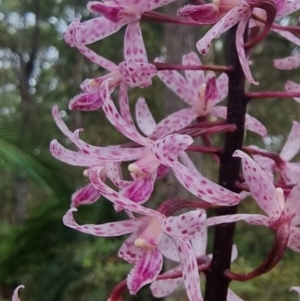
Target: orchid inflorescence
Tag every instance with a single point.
(177, 228)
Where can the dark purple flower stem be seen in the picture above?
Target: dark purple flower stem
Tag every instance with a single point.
(217, 284)
(205, 124)
(154, 16)
(292, 29)
(170, 206)
(204, 149)
(275, 157)
(270, 8)
(179, 67)
(275, 255)
(271, 94)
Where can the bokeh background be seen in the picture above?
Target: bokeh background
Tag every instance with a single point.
(37, 70)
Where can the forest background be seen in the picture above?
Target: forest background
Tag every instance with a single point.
(37, 70)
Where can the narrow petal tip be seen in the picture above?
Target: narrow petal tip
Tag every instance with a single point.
(15, 296)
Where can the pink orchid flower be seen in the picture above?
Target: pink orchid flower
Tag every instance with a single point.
(227, 13)
(271, 200)
(161, 288)
(289, 171)
(89, 156)
(134, 71)
(202, 93)
(114, 16)
(150, 238)
(165, 151)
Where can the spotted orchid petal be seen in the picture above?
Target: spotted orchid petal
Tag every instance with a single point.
(166, 150)
(141, 188)
(71, 157)
(174, 122)
(60, 123)
(228, 21)
(199, 242)
(260, 185)
(112, 153)
(168, 247)
(255, 219)
(97, 58)
(193, 77)
(292, 205)
(288, 63)
(103, 230)
(267, 164)
(137, 74)
(293, 87)
(134, 48)
(95, 156)
(255, 126)
(290, 172)
(241, 49)
(163, 287)
(118, 199)
(294, 239)
(114, 173)
(222, 86)
(292, 144)
(124, 105)
(203, 188)
(91, 31)
(85, 195)
(144, 118)
(145, 270)
(189, 267)
(116, 120)
(89, 101)
(288, 8)
(177, 83)
(75, 37)
(288, 36)
(184, 226)
(202, 14)
(296, 220)
(15, 296)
